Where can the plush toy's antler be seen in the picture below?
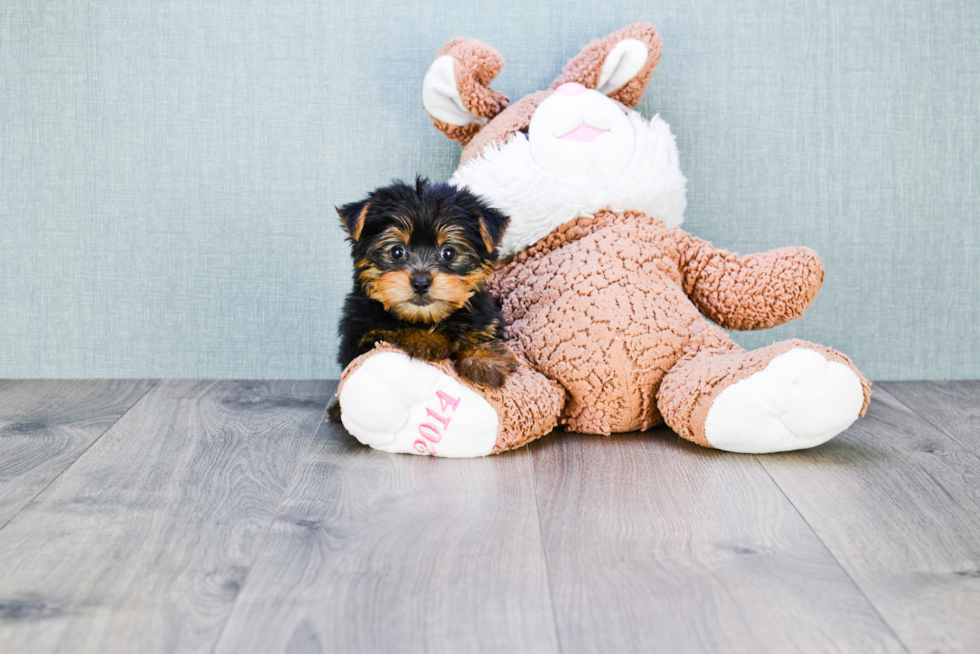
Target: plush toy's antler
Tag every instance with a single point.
(456, 90)
(618, 65)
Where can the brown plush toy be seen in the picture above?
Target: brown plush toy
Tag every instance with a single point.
(606, 301)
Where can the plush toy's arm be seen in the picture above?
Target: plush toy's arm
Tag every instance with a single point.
(756, 291)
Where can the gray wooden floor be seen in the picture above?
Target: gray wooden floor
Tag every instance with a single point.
(177, 516)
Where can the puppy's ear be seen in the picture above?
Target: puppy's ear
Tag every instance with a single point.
(493, 224)
(353, 216)
(456, 90)
(618, 65)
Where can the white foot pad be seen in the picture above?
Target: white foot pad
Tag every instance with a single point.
(799, 400)
(398, 404)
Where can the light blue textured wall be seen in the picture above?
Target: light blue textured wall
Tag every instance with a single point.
(168, 169)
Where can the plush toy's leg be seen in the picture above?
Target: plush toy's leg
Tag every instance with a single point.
(398, 404)
(788, 396)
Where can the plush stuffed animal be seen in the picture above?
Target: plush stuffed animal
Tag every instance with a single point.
(606, 302)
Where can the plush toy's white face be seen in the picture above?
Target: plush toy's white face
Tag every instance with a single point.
(577, 158)
(557, 155)
(579, 132)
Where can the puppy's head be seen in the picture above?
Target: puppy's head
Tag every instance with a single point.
(422, 251)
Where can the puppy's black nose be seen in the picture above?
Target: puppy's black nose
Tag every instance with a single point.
(421, 284)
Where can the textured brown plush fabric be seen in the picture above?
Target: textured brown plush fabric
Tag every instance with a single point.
(515, 118)
(753, 292)
(609, 314)
(586, 67)
(528, 404)
(606, 309)
(710, 367)
(475, 65)
(460, 133)
(601, 306)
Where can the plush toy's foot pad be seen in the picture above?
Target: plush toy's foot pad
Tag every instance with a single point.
(799, 400)
(398, 404)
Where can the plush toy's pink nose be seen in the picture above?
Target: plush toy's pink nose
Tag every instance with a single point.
(571, 89)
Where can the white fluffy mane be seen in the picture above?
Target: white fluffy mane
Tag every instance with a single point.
(539, 200)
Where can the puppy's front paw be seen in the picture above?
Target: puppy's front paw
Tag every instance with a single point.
(425, 345)
(417, 343)
(487, 364)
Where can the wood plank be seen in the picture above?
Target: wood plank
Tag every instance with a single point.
(142, 544)
(46, 424)
(951, 406)
(897, 501)
(374, 552)
(657, 545)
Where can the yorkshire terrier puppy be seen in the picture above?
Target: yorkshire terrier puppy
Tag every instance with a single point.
(421, 258)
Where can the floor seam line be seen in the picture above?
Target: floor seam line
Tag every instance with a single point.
(840, 565)
(82, 453)
(544, 553)
(272, 522)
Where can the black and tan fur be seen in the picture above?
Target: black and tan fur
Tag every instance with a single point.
(421, 258)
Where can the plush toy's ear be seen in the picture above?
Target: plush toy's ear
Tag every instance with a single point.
(493, 223)
(456, 90)
(618, 65)
(353, 216)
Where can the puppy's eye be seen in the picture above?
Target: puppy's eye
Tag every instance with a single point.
(397, 252)
(448, 254)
